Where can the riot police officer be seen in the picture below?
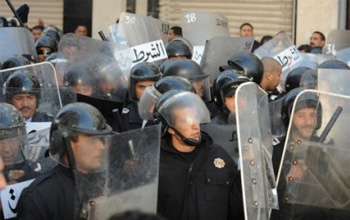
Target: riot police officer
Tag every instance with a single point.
(13, 141)
(77, 142)
(23, 91)
(224, 88)
(179, 48)
(142, 75)
(77, 78)
(190, 163)
(44, 47)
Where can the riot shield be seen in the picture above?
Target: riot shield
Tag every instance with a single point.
(127, 178)
(199, 27)
(313, 180)
(281, 48)
(255, 151)
(278, 129)
(220, 49)
(43, 85)
(93, 68)
(337, 40)
(16, 41)
(334, 81)
(225, 136)
(142, 35)
(344, 55)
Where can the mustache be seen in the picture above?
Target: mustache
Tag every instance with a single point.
(308, 127)
(25, 107)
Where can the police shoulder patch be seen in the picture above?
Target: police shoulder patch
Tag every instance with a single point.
(219, 163)
(125, 111)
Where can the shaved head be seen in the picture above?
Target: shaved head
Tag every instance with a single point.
(272, 74)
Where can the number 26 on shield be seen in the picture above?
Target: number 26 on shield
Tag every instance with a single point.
(191, 17)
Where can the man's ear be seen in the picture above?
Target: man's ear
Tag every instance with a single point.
(171, 131)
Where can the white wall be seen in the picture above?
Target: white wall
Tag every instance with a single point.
(315, 15)
(105, 13)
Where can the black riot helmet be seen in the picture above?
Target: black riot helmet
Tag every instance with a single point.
(177, 48)
(224, 78)
(183, 106)
(293, 78)
(11, 121)
(72, 120)
(306, 100)
(77, 75)
(46, 41)
(12, 132)
(53, 34)
(3, 22)
(153, 93)
(190, 70)
(173, 83)
(14, 61)
(333, 64)
(185, 68)
(142, 72)
(22, 82)
(247, 64)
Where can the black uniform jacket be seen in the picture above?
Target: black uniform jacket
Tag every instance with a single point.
(208, 187)
(42, 117)
(50, 196)
(131, 117)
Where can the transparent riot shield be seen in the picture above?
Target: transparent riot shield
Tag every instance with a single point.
(281, 48)
(337, 40)
(255, 151)
(39, 80)
(127, 178)
(199, 27)
(18, 170)
(220, 49)
(278, 129)
(92, 68)
(36, 152)
(16, 41)
(142, 35)
(344, 55)
(313, 180)
(334, 81)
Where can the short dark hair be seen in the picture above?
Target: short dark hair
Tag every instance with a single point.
(265, 39)
(307, 48)
(321, 34)
(37, 27)
(177, 30)
(245, 24)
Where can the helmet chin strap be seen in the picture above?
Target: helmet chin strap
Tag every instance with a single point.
(189, 141)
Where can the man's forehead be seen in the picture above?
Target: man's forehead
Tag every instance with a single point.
(24, 95)
(306, 110)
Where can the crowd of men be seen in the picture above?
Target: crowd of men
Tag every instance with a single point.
(197, 171)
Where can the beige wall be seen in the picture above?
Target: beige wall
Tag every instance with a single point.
(105, 13)
(312, 15)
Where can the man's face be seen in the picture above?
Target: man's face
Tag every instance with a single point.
(171, 35)
(187, 122)
(81, 30)
(25, 104)
(2, 176)
(230, 103)
(140, 87)
(83, 89)
(36, 34)
(304, 122)
(10, 151)
(88, 152)
(316, 40)
(246, 31)
(71, 52)
(43, 53)
(275, 79)
(199, 87)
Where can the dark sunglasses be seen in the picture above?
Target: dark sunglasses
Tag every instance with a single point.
(44, 52)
